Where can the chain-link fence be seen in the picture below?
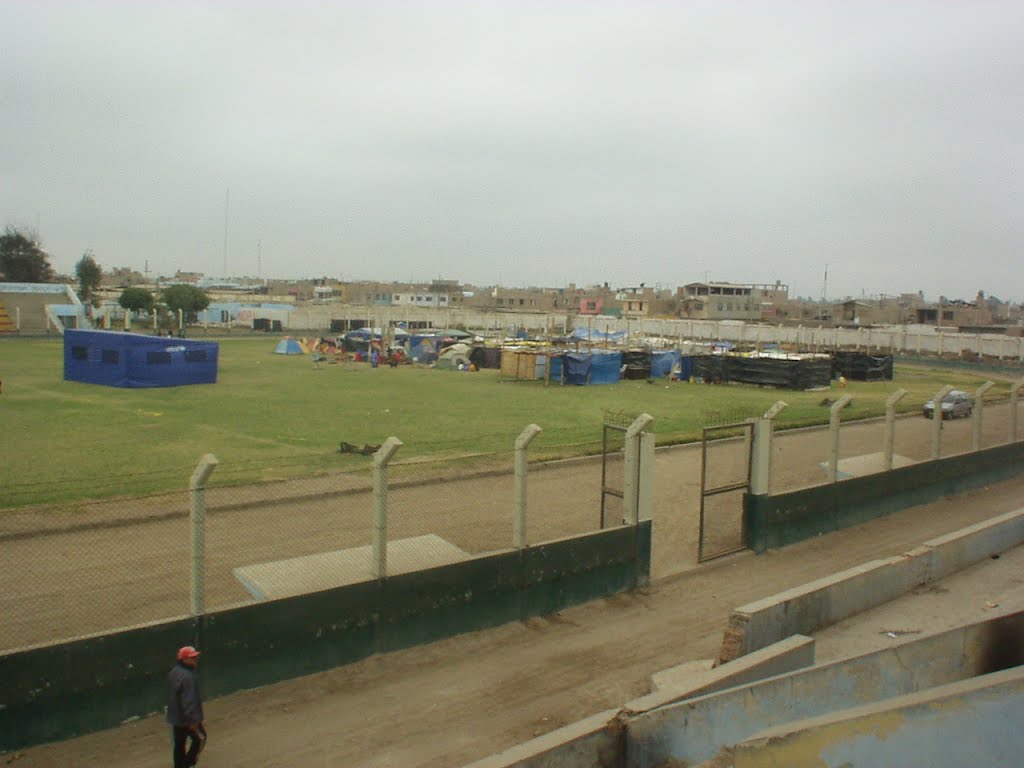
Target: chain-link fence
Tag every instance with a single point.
(98, 566)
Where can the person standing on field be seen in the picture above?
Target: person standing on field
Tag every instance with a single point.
(185, 709)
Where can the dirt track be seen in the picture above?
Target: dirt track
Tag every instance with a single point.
(460, 699)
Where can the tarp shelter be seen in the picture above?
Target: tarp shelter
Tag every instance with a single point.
(289, 347)
(605, 368)
(577, 367)
(637, 364)
(136, 361)
(662, 363)
(859, 366)
(591, 368)
(800, 373)
(423, 348)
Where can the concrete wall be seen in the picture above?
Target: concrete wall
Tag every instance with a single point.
(772, 521)
(823, 602)
(695, 730)
(66, 689)
(600, 740)
(974, 722)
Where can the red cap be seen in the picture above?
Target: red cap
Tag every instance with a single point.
(188, 652)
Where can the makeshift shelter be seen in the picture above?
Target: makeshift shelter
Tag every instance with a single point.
(423, 348)
(136, 361)
(859, 366)
(663, 361)
(591, 367)
(807, 372)
(636, 364)
(290, 346)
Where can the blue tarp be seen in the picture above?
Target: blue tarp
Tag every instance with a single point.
(134, 361)
(605, 368)
(424, 349)
(662, 363)
(588, 334)
(577, 367)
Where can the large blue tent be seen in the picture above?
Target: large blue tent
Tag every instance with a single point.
(134, 360)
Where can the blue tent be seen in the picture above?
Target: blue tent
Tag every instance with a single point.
(289, 347)
(134, 361)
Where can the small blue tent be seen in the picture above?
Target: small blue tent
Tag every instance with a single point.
(133, 360)
(288, 347)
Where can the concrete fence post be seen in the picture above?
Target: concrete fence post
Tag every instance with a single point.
(833, 433)
(937, 420)
(631, 469)
(380, 505)
(761, 451)
(890, 427)
(1014, 392)
(979, 409)
(522, 443)
(197, 518)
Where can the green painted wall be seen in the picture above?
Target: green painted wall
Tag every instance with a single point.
(67, 689)
(772, 521)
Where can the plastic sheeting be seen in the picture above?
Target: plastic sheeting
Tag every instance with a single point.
(637, 364)
(806, 373)
(859, 366)
(663, 362)
(135, 361)
(605, 366)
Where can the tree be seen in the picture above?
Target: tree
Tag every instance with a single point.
(89, 275)
(22, 260)
(187, 298)
(136, 300)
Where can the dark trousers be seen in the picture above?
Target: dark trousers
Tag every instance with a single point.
(186, 758)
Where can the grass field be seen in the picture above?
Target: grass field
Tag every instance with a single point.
(274, 416)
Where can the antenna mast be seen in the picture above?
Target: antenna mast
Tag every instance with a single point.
(824, 285)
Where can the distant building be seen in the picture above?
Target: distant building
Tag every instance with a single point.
(730, 301)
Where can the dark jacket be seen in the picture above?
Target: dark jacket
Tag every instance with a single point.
(184, 703)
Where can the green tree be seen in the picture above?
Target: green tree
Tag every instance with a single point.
(189, 299)
(22, 260)
(136, 300)
(89, 275)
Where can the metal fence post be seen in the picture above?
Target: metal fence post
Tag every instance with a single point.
(979, 407)
(833, 431)
(631, 468)
(890, 427)
(380, 505)
(1014, 391)
(197, 487)
(522, 443)
(937, 419)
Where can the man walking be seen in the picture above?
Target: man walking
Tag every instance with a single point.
(185, 709)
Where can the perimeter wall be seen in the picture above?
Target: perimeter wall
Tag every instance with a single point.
(776, 520)
(61, 690)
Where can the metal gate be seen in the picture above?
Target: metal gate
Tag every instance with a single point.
(724, 478)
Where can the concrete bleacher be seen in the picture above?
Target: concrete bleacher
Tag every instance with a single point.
(908, 701)
(38, 308)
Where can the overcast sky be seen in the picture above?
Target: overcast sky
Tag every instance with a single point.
(524, 143)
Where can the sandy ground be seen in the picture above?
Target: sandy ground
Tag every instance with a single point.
(454, 701)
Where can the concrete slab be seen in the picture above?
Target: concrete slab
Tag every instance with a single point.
(866, 464)
(325, 570)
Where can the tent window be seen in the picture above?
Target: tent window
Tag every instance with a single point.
(79, 353)
(195, 356)
(110, 356)
(158, 358)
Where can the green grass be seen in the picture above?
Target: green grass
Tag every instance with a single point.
(275, 416)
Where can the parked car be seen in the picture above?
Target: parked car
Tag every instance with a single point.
(955, 404)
